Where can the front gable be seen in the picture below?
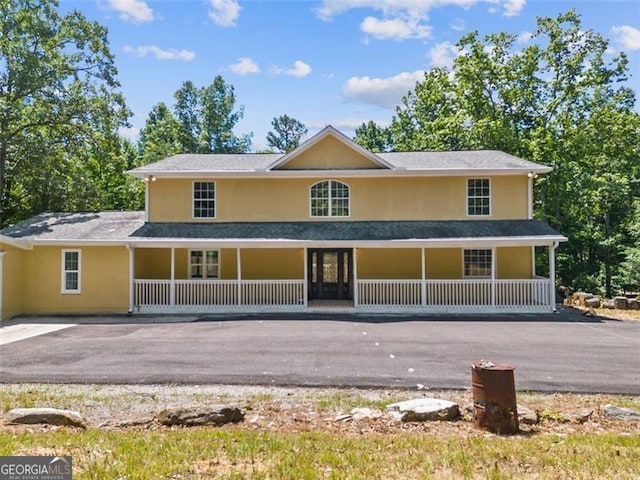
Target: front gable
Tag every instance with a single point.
(330, 150)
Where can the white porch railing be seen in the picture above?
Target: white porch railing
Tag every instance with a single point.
(455, 294)
(210, 294)
(447, 295)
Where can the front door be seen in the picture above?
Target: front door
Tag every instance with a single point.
(330, 276)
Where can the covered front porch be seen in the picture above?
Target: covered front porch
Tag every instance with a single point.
(211, 277)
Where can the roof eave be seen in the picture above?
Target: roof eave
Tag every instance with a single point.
(440, 172)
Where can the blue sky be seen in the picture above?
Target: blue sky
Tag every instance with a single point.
(339, 62)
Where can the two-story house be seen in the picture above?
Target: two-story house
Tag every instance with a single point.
(329, 225)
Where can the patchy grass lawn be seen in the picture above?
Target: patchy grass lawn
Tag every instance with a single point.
(293, 433)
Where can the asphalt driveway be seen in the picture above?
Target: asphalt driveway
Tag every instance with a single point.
(564, 352)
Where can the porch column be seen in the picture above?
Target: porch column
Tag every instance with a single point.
(132, 275)
(552, 276)
(239, 268)
(2, 254)
(423, 285)
(172, 288)
(493, 275)
(355, 278)
(305, 284)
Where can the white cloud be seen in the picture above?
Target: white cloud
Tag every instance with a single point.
(628, 36)
(396, 28)
(299, 70)
(524, 37)
(406, 8)
(509, 8)
(458, 25)
(136, 11)
(244, 66)
(131, 133)
(513, 7)
(382, 92)
(443, 54)
(159, 53)
(224, 12)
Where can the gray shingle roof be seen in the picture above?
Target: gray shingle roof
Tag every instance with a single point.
(346, 230)
(130, 227)
(77, 226)
(462, 159)
(418, 161)
(212, 162)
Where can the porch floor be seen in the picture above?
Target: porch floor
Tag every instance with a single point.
(330, 304)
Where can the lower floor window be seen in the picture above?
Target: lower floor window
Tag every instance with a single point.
(204, 263)
(71, 271)
(477, 263)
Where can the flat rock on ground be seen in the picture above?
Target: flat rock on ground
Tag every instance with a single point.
(621, 413)
(424, 409)
(45, 415)
(200, 415)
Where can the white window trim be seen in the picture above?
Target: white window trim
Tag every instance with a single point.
(466, 205)
(193, 199)
(311, 215)
(63, 279)
(204, 250)
(477, 277)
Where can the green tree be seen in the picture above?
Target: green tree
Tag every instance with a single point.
(58, 96)
(161, 135)
(558, 102)
(373, 137)
(287, 135)
(207, 118)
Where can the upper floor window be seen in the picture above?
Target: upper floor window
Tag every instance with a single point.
(478, 197)
(70, 271)
(204, 200)
(330, 198)
(477, 263)
(204, 263)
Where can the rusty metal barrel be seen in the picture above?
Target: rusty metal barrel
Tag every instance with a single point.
(494, 397)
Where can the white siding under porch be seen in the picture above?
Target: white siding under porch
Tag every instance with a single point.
(388, 296)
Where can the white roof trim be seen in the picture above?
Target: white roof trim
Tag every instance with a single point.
(22, 243)
(333, 132)
(467, 242)
(436, 172)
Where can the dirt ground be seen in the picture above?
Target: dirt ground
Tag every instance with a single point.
(116, 407)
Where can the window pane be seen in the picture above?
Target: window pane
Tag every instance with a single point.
(212, 264)
(71, 260)
(204, 194)
(477, 263)
(330, 267)
(314, 267)
(478, 196)
(345, 267)
(71, 281)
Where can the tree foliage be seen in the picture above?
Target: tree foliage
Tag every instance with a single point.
(207, 118)
(59, 104)
(373, 137)
(287, 135)
(559, 102)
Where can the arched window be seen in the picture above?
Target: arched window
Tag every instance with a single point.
(329, 198)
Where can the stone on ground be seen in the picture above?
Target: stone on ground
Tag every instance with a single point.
(45, 415)
(197, 416)
(621, 413)
(526, 416)
(362, 413)
(424, 409)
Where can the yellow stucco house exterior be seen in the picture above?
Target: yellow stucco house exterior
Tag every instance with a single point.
(327, 226)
